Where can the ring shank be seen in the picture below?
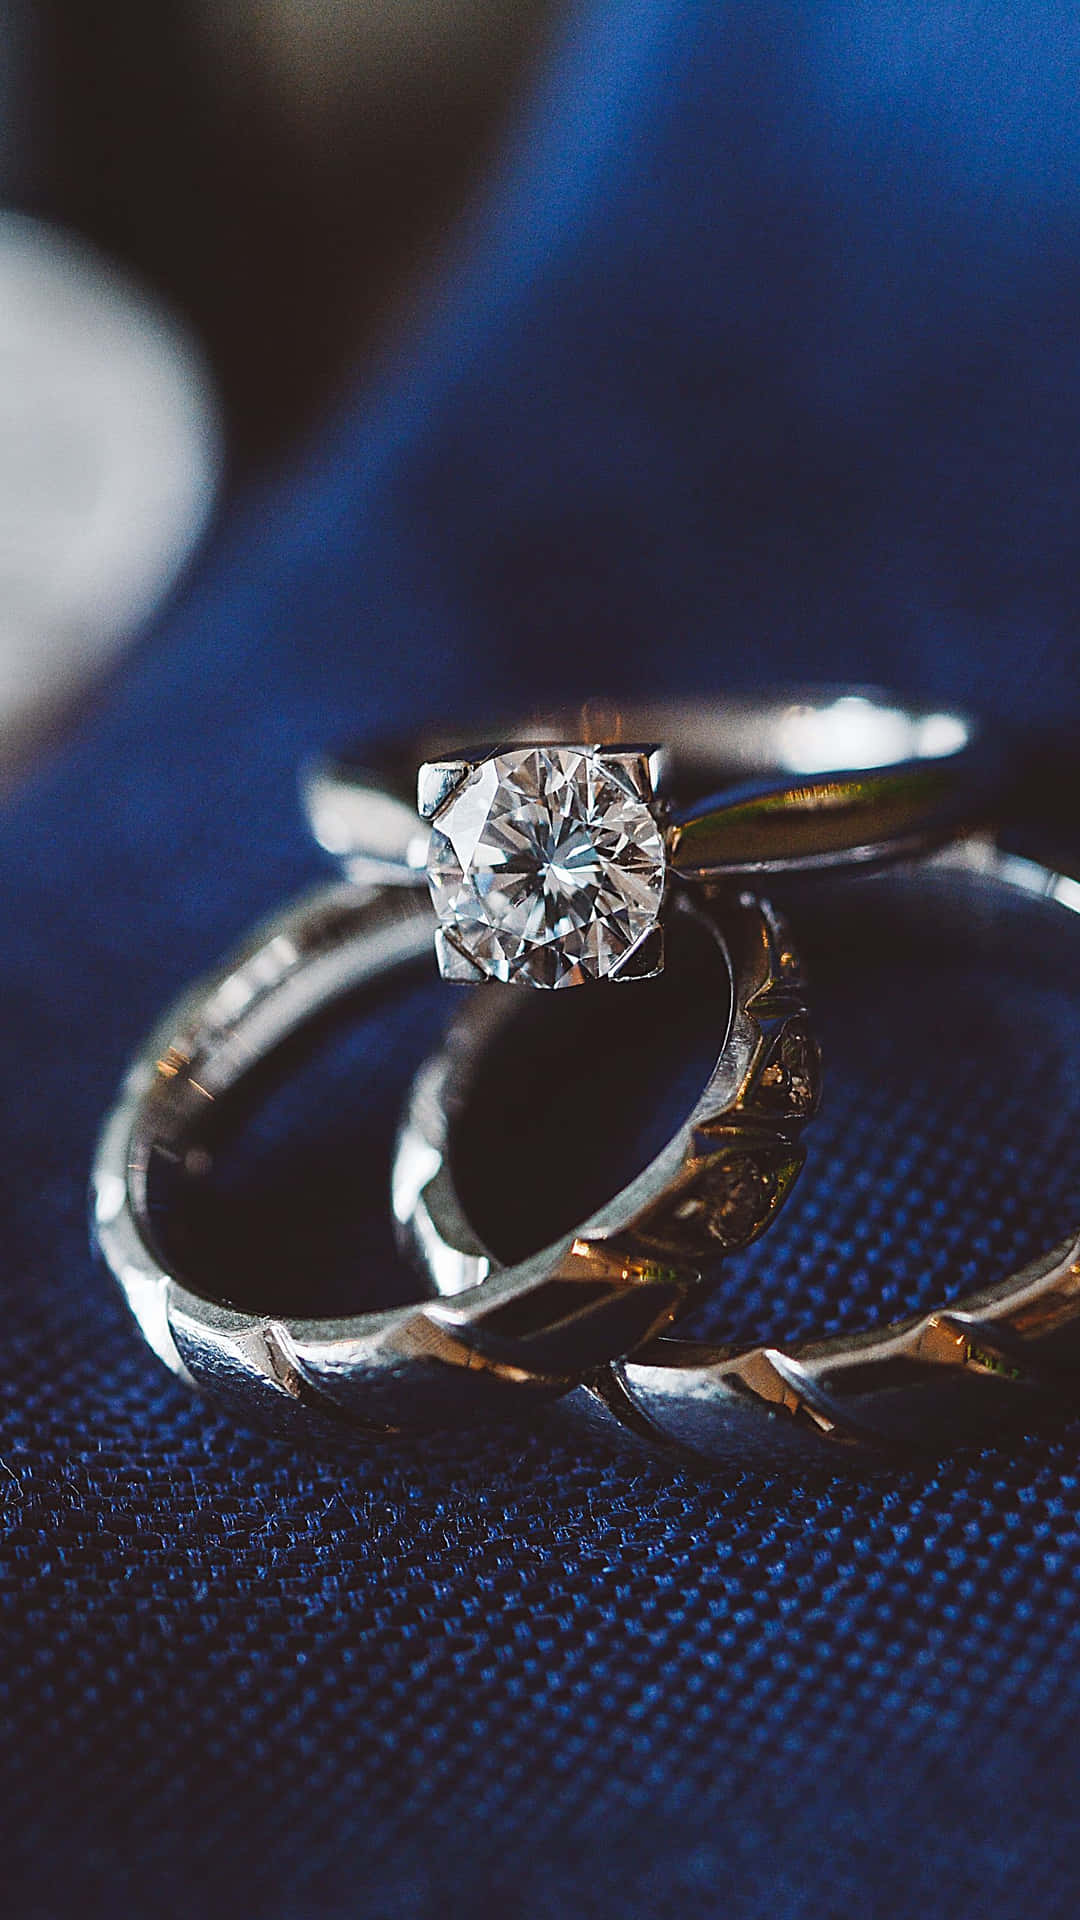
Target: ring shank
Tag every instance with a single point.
(527, 1332)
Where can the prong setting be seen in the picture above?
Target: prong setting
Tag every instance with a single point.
(436, 781)
(640, 767)
(644, 960)
(453, 962)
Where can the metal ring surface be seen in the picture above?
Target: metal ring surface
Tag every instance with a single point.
(537, 1328)
(935, 1380)
(842, 776)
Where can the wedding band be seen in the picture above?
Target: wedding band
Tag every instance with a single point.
(538, 1327)
(927, 1383)
(552, 857)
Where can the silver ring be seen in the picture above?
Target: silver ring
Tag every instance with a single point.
(536, 1328)
(930, 1382)
(552, 862)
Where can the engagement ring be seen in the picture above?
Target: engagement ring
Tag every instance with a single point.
(552, 858)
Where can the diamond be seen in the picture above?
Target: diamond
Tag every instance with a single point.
(546, 865)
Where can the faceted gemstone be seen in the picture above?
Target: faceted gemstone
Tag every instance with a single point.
(546, 866)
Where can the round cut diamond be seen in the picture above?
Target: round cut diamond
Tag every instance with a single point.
(546, 866)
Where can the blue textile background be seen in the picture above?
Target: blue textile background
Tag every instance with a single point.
(761, 358)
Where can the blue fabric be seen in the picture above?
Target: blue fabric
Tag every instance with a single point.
(760, 358)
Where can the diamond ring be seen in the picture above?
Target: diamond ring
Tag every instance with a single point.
(518, 1333)
(552, 859)
(956, 1375)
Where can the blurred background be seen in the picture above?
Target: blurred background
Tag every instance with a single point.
(213, 214)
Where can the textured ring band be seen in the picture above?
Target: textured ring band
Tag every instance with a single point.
(542, 1325)
(552, 862)
(935, 1380)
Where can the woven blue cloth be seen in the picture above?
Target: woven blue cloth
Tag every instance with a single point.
(759, 358)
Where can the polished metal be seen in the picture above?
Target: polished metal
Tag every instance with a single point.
(531, 1330)
(956, 1375)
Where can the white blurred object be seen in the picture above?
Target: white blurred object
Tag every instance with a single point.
(110, 459)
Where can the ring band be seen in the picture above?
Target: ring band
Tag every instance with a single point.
(551, 856)
(930, 1382)
(543, 1325)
